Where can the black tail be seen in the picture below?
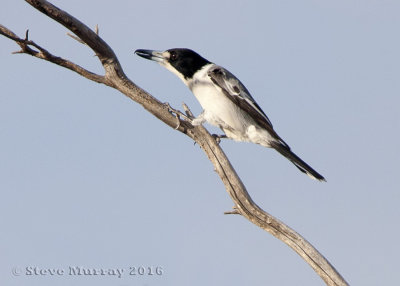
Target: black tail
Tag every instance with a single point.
(303, 166)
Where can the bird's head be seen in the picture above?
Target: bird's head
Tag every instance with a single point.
(182, 62)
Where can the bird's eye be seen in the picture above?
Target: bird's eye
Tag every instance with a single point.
(173, 56)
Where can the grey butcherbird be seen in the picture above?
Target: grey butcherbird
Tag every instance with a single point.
(226, 102)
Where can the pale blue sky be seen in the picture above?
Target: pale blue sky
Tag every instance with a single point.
(88, 178)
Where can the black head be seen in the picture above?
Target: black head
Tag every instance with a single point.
(184, 62)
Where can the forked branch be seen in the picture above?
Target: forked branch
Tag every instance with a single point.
(116, 78)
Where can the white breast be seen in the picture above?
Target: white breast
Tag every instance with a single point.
(219, 110)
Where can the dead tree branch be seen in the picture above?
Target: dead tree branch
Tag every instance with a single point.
(115, 77)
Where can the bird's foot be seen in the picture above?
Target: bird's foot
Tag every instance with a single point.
(178, 115)
(197, 121)
(218, 137)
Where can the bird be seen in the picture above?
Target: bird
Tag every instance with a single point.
(226, 102)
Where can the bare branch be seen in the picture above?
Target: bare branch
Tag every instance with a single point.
(233, 211)
(96, 30)
(116, 78)
(41, 53)
(76, 38)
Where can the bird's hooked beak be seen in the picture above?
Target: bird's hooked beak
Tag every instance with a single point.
(160, 57)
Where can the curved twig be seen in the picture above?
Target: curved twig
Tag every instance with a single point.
(116, 78)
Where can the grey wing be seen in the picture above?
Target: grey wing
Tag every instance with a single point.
(239, 95)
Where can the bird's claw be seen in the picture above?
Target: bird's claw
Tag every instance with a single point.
(218, 137)
(177, 114)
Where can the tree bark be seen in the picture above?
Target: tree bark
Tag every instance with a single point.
(115, 77)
